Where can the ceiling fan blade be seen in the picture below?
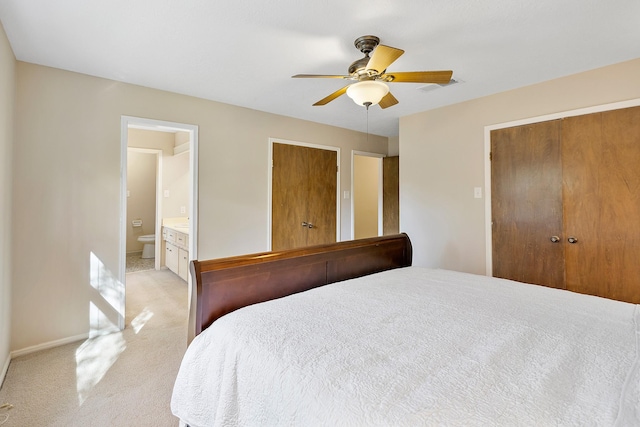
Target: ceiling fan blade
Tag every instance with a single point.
(388, 101)
(382, 57)
(318, 76)
(331, 97)
(439, 77)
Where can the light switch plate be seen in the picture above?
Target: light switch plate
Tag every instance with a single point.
(477, 192)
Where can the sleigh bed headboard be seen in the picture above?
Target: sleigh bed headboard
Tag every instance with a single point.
(227, 284)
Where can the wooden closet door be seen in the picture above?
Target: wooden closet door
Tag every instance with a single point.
(390, 195)
(321, 199)
(289, 189)
(601, 157)
(304, 190)
(526, 203)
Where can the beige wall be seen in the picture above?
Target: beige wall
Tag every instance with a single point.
(175, 179)
(442, 159)
(7, 97)
(141, 197)
(180, 138)
(394, 146)
(67, 184)
(151, 139)
(366, 173)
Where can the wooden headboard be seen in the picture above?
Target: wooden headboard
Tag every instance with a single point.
(227, 284)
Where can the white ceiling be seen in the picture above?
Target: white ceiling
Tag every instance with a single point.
(244, 52)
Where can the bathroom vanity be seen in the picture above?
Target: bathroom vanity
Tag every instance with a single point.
(175, 239)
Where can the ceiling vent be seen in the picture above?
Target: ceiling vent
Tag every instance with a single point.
(434, 86)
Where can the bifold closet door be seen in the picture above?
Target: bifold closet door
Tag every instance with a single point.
(526, 204)
(601, 160)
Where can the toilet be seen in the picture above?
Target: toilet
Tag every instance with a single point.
(149, 249)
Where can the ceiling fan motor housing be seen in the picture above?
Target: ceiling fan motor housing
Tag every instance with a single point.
(364, 44)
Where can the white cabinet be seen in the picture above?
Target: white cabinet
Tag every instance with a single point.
(176, 252)
(183, 264)
(171, 257)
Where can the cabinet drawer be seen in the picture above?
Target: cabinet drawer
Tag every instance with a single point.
(182, 240)
(171, 235)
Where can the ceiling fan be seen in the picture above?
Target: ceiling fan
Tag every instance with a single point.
(371, 76)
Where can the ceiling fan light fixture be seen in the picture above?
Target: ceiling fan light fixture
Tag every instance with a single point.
(367, 92)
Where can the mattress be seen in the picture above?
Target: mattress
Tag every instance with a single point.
(416, 346)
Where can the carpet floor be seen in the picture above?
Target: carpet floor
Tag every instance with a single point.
(121, 379)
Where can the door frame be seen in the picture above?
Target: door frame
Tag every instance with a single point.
(380, 190)
(270, 184)
(526, 121)
(158, 125)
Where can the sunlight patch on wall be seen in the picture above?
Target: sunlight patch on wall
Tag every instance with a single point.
(106, 308)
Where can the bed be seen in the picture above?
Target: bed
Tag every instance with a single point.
(352, 334)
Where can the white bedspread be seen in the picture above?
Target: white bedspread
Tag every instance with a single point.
(416, 346)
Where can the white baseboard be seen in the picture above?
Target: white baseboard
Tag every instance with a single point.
(48, 345)
(5, 368)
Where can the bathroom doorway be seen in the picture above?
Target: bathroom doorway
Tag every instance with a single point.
(144, 207)
(183, 145)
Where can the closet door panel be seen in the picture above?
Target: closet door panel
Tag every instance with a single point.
(526, 203)
(289, 196)
(321, 200)
(601, 160)
(390, 195)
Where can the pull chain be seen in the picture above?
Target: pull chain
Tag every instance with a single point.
(367, 104)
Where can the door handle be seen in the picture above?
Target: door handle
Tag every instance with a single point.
(305, 224)
(310, 225)
(572, 240)
(555, 239)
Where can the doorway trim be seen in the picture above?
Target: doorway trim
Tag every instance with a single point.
(380, 190)
(159, 125)
(270, 178)
(526, 121)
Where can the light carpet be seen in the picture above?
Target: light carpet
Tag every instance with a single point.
(120, 379)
